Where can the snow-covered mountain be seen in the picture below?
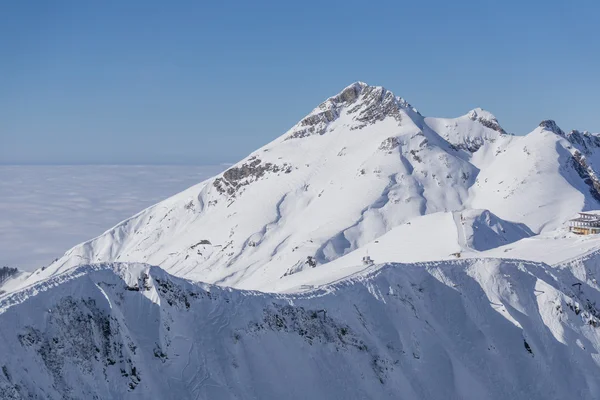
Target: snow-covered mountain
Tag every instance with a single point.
(369, 252)
(361, 165)
(463, 329)
(10, 277)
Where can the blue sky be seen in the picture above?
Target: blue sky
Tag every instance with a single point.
(198, 82)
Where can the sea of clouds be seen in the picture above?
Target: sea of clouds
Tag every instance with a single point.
(46, 210)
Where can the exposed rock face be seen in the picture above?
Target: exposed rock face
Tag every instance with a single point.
(316, 328)
(7, 273)
(235, 178)
(350, 94)
(470, 144)
(316, 123)
(389, 144)
(486, 119)
(312, 325)
(551, 126)
(321, 119)
(81, 334)
(377, 104)
(585, 140)
(367, 105)
(586, 173)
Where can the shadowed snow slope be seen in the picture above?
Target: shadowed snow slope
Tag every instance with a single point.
(463, 329)
(358, 166)
(482, 230)
(431, 237)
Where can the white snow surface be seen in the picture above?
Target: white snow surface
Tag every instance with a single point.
(369, 252)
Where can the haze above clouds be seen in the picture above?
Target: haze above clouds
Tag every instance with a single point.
(45, 210)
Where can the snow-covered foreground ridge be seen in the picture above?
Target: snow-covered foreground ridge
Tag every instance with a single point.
(363, 166)
(468, 329)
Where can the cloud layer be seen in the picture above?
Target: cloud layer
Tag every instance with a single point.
(45, 210)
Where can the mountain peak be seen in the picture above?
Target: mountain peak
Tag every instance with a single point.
(361, 103)
(481, 113)
(348, 95)
(550, 125)
(485, 118)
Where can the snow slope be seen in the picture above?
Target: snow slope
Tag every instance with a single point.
(438, 236)
(478, 329)
(359, 166)
(554, 247)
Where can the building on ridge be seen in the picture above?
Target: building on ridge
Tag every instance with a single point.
(587, 223)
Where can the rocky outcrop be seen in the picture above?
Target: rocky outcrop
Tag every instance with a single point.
(6, 273)
(470, 144)
(312, 325)
(389, 144)
(486, 119)
(377, 104)
(235, 178)
(316, 123)
(81, 335)
(551, 126)
(586, 173)
(367, 105)
(585, 141)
